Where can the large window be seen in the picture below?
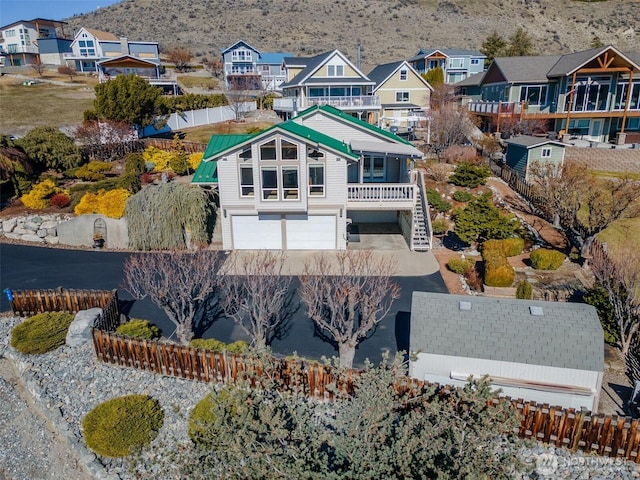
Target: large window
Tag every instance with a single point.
(290, 186)
(534, 94)
(269, 183)
(246, 181)
(335, 70)
(374, 169)
(289, 150)
(590, 94)
(402, 97)
(455, 62)
(621, 96)
(241, 55)
(87, 48)
(268, 151)
(316, 180)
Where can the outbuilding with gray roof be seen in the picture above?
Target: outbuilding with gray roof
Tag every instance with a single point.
(548, 352)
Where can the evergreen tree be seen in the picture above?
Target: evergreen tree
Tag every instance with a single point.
(482, 220)
(434, 77)
(520, 44)
(493, 46)
(596, 42)
(48, 147)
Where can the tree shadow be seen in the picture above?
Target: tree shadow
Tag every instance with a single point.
(452, 242)
(624, 399)
(290, 307)
(207, 313)
(125, 307)
(403, 333)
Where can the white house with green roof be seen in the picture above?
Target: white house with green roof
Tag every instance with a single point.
(298, 184)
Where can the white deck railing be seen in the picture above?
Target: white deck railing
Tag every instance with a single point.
(380, 192)
(359, 101)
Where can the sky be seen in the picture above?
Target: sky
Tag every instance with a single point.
(13, 10)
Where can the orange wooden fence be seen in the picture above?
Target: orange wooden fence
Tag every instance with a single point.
(168, 145)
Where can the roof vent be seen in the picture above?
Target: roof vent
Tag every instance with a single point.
(465, 305)
(536, 311)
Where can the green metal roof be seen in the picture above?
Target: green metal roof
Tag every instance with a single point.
(220, 143)
(313, 136)
(207, 172)
(349, 118)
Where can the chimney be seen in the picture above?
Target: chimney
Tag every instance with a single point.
(124, 46)
(358, 59)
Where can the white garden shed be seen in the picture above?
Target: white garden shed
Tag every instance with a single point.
(548, 352)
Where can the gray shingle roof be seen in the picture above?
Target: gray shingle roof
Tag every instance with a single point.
(569, 62)
(449, 52)
(380, 73)
(567, 335)
(471, 81)
(311, 64)
(526, 69)
(531, 141)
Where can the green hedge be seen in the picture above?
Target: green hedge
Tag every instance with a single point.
(524, 291)
(435, 201)
(544, 259)
(462, 196)
(460, 265)
(117, 427)
(42, 332)
(139, 328)
(509, 247)
(498, 273)
(239, 346)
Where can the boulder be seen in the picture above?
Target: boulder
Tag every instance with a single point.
(80, 329)
(9, 225)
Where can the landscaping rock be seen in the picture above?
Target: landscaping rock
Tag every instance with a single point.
(80, 329)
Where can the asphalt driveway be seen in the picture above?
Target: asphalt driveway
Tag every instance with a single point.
(26, 267)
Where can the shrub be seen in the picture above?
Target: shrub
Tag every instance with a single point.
(471, 176)
(498, 273)
(179, 163)
(473, 279)
(440, 226)
(462, 196)
(208, 344)
(117, 427)
(544, 259)
(599, 298)
(41, 333)
(130, 181)
(460, 265)
(60, 200)
(108, 203)
(90, 172)
(38, 197)
(436, 201)
(508, 247)
(194, 160)
(239, 346)
(203, 415)
(139, 328)
(524, 290)
(134, 162)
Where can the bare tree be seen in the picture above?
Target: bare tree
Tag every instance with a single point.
(38, 66)
(255, 293)
(67, 70)
(619, 274)
(348, 297)
(451, 125)
(214, 66)
(180, 283)
(240, 87)
(180, 57)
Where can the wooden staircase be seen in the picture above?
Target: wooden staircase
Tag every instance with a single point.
(421, 229)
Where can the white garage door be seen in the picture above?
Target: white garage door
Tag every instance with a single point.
(257, 232)
(313, 232)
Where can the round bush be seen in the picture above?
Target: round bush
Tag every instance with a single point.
(498, 273)
(208, 344)
(139, 328)
(203, 416)
(460, 265)
(440, 226)
(524, 291)
(119, 426)
(508, 247)
(462, 196)
(239, 346)
(544, 259)
(42, 332)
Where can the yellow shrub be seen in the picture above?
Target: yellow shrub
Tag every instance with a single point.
(509, 247)
(38, 197)
(159, 158)
(194, 160)
(108, 203)
(498, 273)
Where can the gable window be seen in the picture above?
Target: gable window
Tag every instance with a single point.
(86, 47)
(246, 180)
(290, 186)
(335, 70)
(403, 75)
(546, 152)
(316, 180)
(268, 150)
(289, 150)
(269, 183)
(241, 55)
(402, 97)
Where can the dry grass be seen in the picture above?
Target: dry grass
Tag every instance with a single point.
(203, 134)
(44, 104)
(622, 231)
(189, 81)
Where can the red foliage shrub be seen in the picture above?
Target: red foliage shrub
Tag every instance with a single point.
(60, 200)
(147, 178)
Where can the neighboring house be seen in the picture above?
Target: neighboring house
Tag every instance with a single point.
(327, 79)
(404, 95)
(90, 47)
(524, 150)
(298, 184)
(26, 41)
(246, 68)
(593, 94)
(456, 64)
(548, 352)
(469, 89)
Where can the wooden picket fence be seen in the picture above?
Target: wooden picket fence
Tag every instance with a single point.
(168, 145)
(605, 435)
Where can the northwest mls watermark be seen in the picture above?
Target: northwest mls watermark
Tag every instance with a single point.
(549, 463)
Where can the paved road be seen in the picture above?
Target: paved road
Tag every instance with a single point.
(25, 267)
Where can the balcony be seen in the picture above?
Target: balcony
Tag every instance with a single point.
(381, 196)
(355, 103)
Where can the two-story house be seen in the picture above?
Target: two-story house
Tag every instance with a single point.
(592, 94)
(299, 184)
(246, 68)
(327, 79)
(28, 41)
(456, 64)
(404, 95)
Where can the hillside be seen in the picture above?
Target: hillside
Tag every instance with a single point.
(388, 29)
